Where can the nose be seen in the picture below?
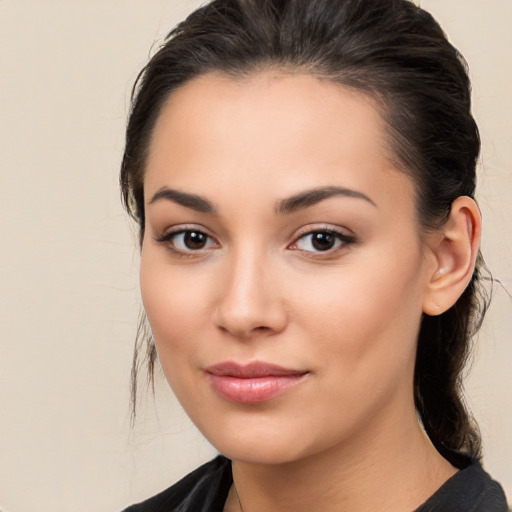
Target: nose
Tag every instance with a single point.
(250, 302)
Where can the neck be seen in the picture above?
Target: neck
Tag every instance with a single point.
(397, 470)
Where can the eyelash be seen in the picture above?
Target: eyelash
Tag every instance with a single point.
(169, 237)
(342, 239)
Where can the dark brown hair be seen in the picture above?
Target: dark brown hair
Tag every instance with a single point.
(391, 50)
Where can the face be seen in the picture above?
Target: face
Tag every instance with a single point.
(282, 266)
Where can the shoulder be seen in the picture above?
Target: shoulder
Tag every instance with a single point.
(469, 490)
(205, 488)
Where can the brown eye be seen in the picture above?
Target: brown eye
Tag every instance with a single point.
(187, 241)
(194, 240)
(323, 241)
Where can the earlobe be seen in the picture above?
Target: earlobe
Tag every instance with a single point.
(455, 248)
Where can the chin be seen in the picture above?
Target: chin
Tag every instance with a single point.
(264, 455)
(262, 446)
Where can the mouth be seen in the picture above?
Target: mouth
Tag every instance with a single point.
(254, 383)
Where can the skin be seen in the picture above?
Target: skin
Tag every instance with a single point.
(258, 290)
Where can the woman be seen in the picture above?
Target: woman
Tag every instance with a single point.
(303, 176)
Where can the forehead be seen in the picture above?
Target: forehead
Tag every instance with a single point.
(272, 133)
(271, 107)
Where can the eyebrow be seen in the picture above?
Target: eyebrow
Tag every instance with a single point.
(292, 204)
(311, 197)
(192, 201)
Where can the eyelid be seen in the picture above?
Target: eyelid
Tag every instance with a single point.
(346, 239)
(170, 233)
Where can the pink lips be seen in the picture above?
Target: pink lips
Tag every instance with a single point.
(253, 383)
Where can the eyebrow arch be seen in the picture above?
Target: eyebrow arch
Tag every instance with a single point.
(314, 196)
(192, 201)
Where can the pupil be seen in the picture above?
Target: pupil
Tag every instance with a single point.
(323, 241)
(194, 240)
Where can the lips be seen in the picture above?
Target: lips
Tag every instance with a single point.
(253, 383)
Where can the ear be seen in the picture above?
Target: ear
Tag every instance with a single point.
(454, 248)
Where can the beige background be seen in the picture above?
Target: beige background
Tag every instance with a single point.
(68, 260)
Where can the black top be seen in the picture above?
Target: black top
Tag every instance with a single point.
(206, 490)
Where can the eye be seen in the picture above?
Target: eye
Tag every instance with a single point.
(322, 240)
(187, 240)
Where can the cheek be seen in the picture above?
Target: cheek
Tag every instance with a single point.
(366, 319)
(175, 305)
(173, 308)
